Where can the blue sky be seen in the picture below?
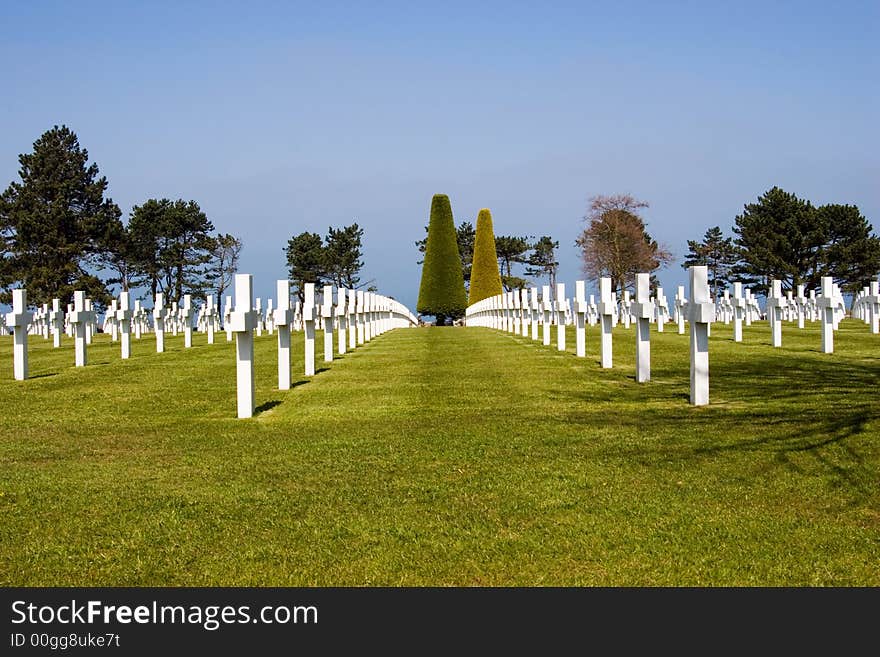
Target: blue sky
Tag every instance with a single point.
(283, 117)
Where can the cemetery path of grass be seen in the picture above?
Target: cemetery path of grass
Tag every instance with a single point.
(446, 456)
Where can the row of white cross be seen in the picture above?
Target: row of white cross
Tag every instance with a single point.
(357, 317)
(523, 311)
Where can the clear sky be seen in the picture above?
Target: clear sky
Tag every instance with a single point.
(280, 117)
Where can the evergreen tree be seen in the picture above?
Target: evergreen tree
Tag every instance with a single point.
(542, 261)
(171, 243)
(53, 223)
(306, 261)
(441, 290)
(465, 236)
(342, 255)
(485, 275)
(718, 254)
(511, 250)
(787, 238)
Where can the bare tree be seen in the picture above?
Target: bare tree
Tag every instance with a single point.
(225, 254)
(615, 242)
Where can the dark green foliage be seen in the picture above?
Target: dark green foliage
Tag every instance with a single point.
(542, 261)
(441, 291)
(335, 259)
(55, 223)
(171, 245)
(485, 275)
(305, 260)
(851, 254)
(465, 236)
(511, 250)
(342, 255)
(718, 254)
(787, 238)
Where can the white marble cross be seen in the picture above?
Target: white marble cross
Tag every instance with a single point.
(680, 303)
(607, 310)
(159, 314)
(56, 318)
(801, 306)
(580, 311)
(661, 310)
(310, 316)
(739, 305)
(210, 317)
(827, 304)
(701, 312)
(625, 310)
(643, 310)
(535, 308)
(351, 310)
(341, 319)
(270, 317)
(137, 319)
(561, 306)
(123, 317)
(19, 320)
(80, 318)
(327, 315)
(227, 311)
(242, 322)
(283, 318)
(873, 303)
(775, 305)
(186, 319)
(526, 311)
(547, 307)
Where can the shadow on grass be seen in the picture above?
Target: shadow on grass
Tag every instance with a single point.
(265, 406)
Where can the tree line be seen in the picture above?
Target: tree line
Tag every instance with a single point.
(783, 237)
(60, 233)
(537, 257)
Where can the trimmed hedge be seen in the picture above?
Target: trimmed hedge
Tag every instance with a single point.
(485, 275)
(441, 291)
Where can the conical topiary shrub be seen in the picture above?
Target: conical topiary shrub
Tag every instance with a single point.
(485, 275)
(441, 292)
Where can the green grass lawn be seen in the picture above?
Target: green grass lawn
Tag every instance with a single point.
(445, 456)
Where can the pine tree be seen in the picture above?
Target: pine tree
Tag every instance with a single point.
(485, 275)
(54, 223)
(441, 291)
(716, 252)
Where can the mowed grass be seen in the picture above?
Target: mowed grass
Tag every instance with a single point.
(445, 456)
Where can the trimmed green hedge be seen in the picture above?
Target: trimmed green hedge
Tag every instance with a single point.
(441, 292)
(485, 275)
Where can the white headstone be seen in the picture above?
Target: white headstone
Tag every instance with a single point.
(327, 315)
(310, 316)
(643, 310)
(826, 304)
(19, 320)
(56, 319)
(123, 317)
(607, 311)
(186, 319)
(283, 319)
(159, 315)
(80, 318)
(242, 322)
(535, 310)
(547, 307)
(775, 305)
(342, 320)
(739, 305)
(580, 312)
(701, 312)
